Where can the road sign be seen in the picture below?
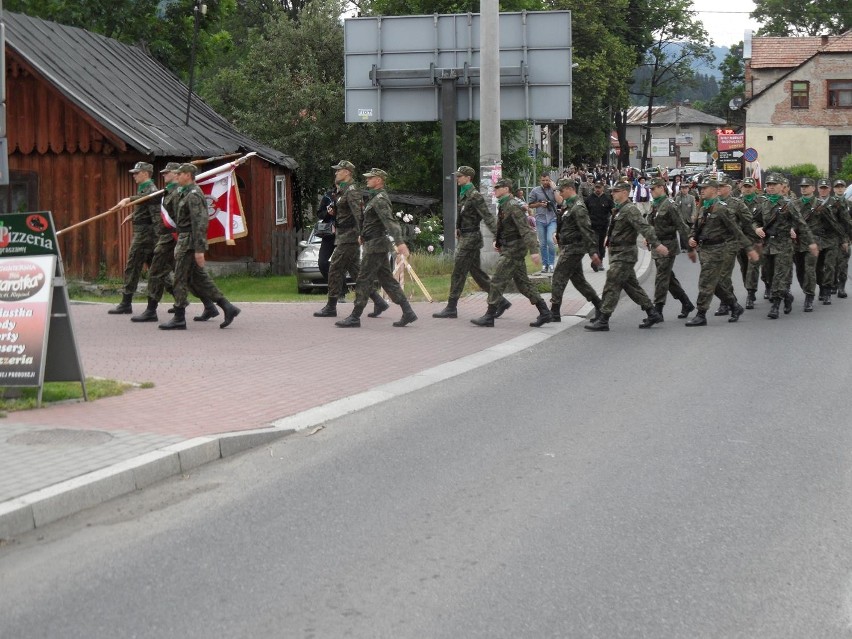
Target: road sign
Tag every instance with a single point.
(730, 141)
(750, 154)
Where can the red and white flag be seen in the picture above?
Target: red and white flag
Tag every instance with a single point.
(226, 219)
(754, 171)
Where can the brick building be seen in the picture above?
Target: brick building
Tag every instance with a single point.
(799, 99)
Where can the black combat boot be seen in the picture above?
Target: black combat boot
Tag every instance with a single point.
(210, 311)
(502, 306)
(230, 311)
(178, 321)
(597, 303)
(124, 307)
(488, 318)
(826, 301)
(821, 297)
(544, 315)
(736, 311)
(686, 307)
(766, 294)
(841, 291)
(450, 311)
(773, 312)
(654, 317)
(353, 320)
(809, 303)
(379, 305)
(329, 310)
(751, 298)
(555, 312)
(788, 303)
(600, 324)
(722, 310)
(700, 319)
(149, 314)
(408, 315)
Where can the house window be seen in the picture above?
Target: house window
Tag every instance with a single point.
(281, 199)
(799, 92)
(21, 194)
(840, 93)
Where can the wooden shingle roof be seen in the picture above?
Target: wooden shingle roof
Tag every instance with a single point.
(129, 93)
(790, 52)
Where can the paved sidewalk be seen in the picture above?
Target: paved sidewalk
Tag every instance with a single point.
(217, 392)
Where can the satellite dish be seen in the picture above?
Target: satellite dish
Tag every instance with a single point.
(735, 104)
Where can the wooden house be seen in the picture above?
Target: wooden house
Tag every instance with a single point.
(82, 109)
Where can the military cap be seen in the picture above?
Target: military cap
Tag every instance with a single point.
(566, 183)
(824, 182)
(599, 183)
(709, 182)
(620, 186)
(469, 171)
(187, 168)
(658, 182)
(345, 164)
(142, 166)
(774, 179)
(839, 183)
(503, 182)
(374, 172)
(725, 181)
(748, 182)
(807, 182)
(171, 167)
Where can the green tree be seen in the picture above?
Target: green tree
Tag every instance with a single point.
(797, 18)
(680, 40)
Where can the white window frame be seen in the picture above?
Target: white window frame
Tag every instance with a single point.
(281, 200)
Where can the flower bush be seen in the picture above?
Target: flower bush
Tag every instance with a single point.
(424, 233)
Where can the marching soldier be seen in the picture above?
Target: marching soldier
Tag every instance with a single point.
(667, 222)
(191, 221)
(347, 252)
(778, 223)
(145, 215)
(750, 270)
(624, 229)
(714, 231)
(575, 238)
(377, 223)
(842, 211)
(743, 216)
(513, 239)
(163, 260)
(472, 210)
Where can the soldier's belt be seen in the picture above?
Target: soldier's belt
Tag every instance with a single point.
(621, 244)
(184, 230)
(469, 231)
(344, 226)
(367, 238)
(666, 238)
(711, 242)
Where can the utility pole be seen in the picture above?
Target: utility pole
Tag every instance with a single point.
(677, 135)
(489, 110)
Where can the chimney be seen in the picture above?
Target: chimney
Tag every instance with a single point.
(824, 39)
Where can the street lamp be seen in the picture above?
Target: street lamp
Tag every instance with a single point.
(200, 9)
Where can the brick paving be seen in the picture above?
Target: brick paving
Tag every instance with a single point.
(274, 361)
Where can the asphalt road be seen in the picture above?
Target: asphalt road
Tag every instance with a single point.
(660, 483)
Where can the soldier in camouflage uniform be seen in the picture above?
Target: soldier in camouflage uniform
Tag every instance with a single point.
(777, 222)
(715, 229)
(346, 257)
(575, 238)
(668, 223)
(145, 216)
(750, 270)
(191, 221)
(163, 260)
(743, 216)
(685, 203)
(513, 239)
(842, 211)
(472, 210)
(377, 223)
(624, 229)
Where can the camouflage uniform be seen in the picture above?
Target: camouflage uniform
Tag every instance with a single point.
(376, 224)
(719, 235)
(576, 239)
(626, 225)
(777, 216)
(163, 260)
(472, 210)
(842, 211)
(347, 252)
(685, 203)
(743, 216)
(750, 270)
(142, 246)
(828, 233)
(514, 238)
(668, 222)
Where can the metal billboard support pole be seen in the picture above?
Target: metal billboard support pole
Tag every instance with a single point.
(489, 109)
(448, 147)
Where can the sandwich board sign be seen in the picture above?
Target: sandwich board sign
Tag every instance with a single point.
(37, 342)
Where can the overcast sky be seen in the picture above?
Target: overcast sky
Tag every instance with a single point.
(726, 20)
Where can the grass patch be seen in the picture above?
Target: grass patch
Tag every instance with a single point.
(26, 398)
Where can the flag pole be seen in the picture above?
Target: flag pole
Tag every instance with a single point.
(200, 176)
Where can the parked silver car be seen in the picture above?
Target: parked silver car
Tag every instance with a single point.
(308, 275)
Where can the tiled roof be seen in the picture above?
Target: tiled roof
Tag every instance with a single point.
(789, 52)
(127, 92)
(664, 114)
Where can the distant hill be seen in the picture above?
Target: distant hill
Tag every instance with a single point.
(713, 68)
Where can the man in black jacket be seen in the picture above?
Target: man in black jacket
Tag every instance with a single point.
(600, 207)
